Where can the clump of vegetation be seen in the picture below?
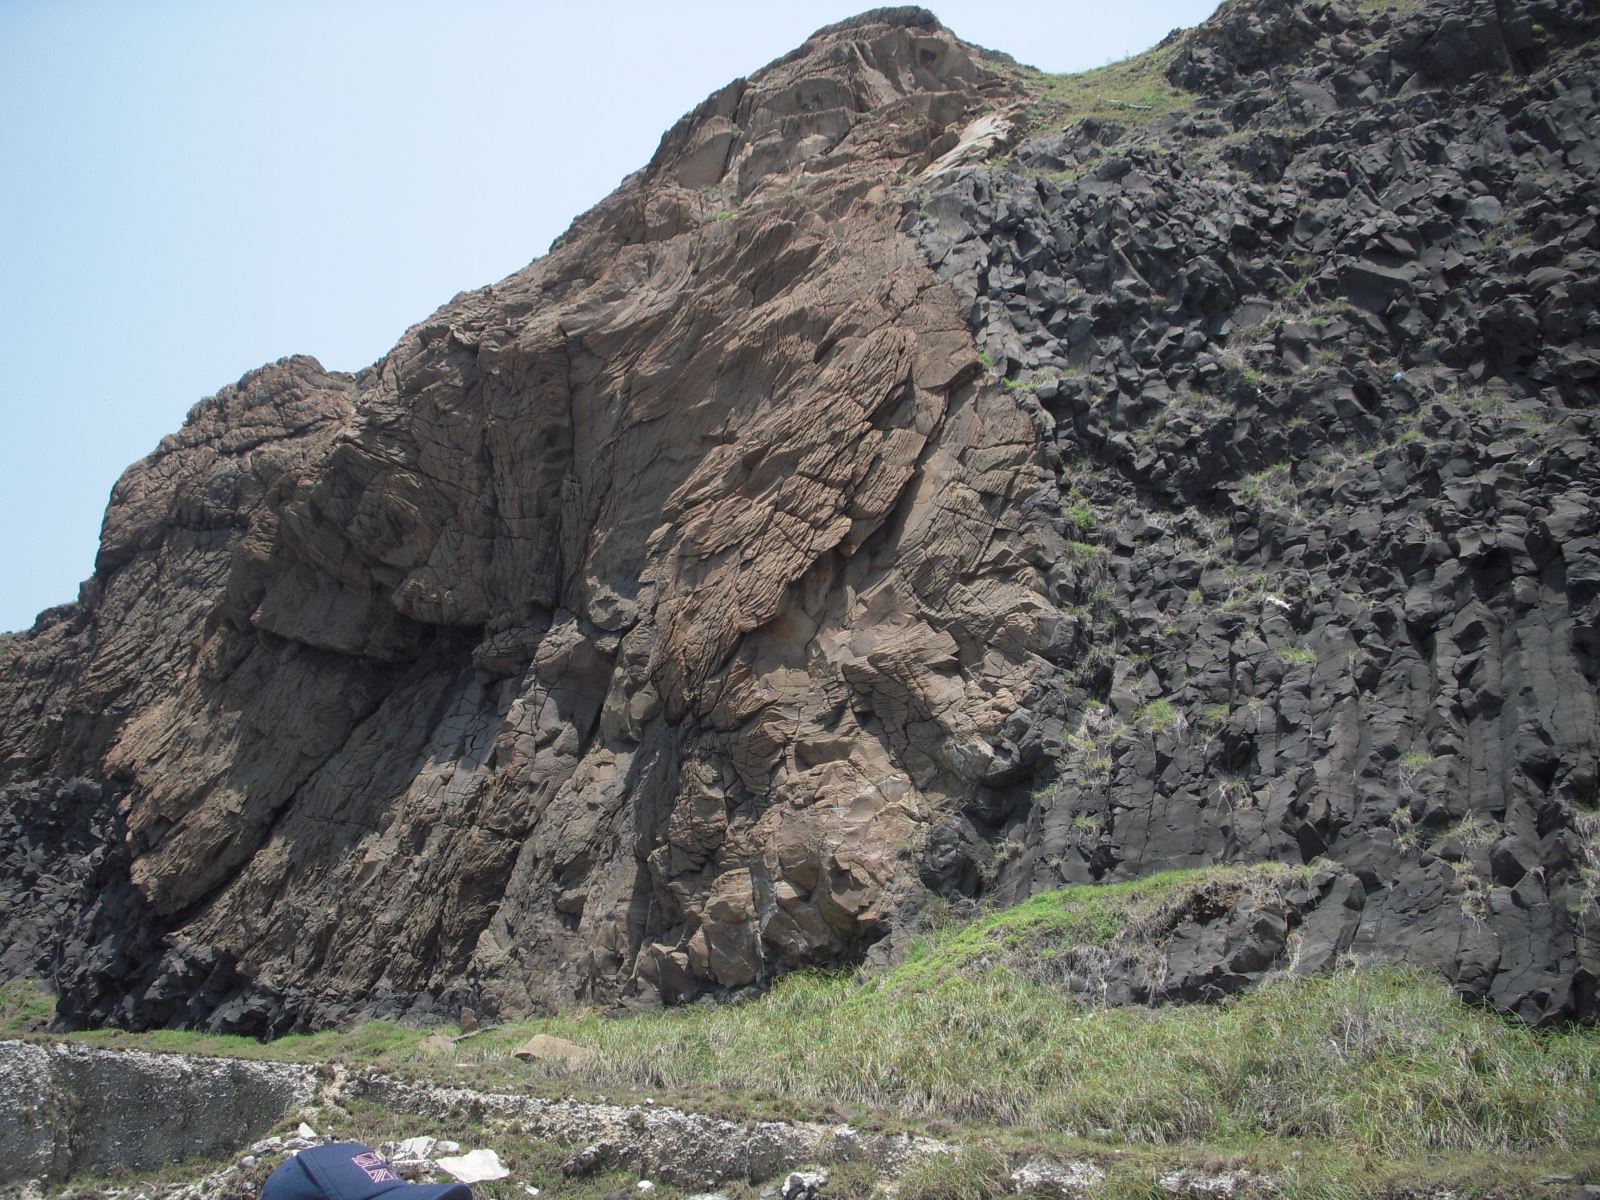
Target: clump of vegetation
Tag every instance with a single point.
(978, 1173)
(1586, 824)
(1131, 92)
(1079, 511)
(1412, 764)
(1265, 484)
(1158, 715)
(1472, 832)
(25, 1005)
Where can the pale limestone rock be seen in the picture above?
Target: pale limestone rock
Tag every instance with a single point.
(978, 141)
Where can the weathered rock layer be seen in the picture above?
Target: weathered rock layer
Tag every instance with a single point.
(620, 632)
(800, 535)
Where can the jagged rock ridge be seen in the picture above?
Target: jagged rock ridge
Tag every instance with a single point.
(683, 608)
(618, 633)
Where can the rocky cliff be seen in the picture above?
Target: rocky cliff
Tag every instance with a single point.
(904, 485)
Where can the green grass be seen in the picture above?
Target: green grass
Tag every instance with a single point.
(1079, 511)
(1131, 92)
(1089, 915)
(1156, 715)
(24, 1006)
(1265, 483)
(1586, 824)
(1472, 832)
(1297, 654)
(978, 1174)
(1412, 765)
(1333, 1083)
(1385, 1061)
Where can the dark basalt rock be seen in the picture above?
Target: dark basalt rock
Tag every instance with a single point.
(1331, 430)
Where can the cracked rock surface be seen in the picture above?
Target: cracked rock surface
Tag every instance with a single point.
(886, 491)
(67, 1110)
(617, 636)
(1318, 360)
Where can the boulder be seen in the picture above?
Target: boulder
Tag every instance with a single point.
(543, 1047)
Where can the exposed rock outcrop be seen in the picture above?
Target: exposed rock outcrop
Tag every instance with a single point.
(620, 633)
(67, 1110)
(1320, 371)
(72, 1111)
(827, 519)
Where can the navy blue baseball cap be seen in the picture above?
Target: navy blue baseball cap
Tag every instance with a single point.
(350, 1171)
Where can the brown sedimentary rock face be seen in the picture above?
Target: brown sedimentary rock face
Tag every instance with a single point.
(624, 630)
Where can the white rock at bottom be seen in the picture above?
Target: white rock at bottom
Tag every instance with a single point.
(476, 1166)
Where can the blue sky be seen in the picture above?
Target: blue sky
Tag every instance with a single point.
(195, 188)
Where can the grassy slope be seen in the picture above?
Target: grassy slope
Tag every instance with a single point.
(1364, 1077)
(1129, 92)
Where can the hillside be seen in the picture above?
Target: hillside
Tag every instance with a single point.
(925, 482)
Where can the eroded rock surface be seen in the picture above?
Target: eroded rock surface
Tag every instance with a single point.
(876, 495)
(619, 634)
(67, 1110)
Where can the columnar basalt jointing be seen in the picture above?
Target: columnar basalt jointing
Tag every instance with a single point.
(1320, 356)
(684, 608)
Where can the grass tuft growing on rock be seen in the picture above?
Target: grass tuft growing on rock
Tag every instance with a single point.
(25, 1006)
(978, 1173)
(1022, 939)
